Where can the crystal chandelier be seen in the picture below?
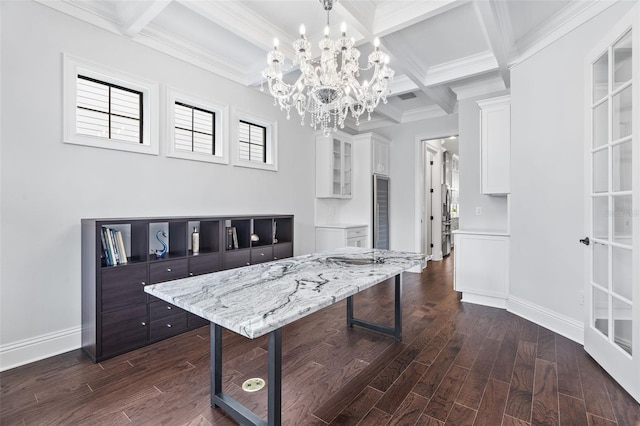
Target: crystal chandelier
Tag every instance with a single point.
(329, 89)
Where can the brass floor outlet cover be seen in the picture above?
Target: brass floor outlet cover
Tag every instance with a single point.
(253, 385)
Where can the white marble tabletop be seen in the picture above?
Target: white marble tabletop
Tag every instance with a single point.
(257, 299)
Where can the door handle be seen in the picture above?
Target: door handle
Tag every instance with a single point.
(585, 241)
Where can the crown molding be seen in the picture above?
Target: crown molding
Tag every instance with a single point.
(402, 84)
(424, 113)
(458, 69)
(81, 11)
(466, 90)
(568, 19)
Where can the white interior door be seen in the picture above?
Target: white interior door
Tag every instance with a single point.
(612, 291)
(428, 217)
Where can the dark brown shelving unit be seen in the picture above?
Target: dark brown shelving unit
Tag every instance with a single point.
(118, 316)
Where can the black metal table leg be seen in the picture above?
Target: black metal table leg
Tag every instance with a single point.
(396, 331)
(274, 378)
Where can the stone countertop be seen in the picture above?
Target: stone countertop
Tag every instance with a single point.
(255, 300)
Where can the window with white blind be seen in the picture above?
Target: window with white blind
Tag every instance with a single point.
(252, 142)
(256, 143)
(196, 128)
(108, 111)
(105, 108)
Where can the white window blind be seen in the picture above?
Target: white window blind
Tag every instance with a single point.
(252, 142)
(108, 111)
(194, 129)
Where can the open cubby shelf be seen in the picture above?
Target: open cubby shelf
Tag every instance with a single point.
(117, 315)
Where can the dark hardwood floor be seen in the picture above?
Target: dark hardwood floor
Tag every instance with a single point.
(458, 364)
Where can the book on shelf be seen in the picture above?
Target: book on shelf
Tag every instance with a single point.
(113, 247)
(235, 237)
(229, 240)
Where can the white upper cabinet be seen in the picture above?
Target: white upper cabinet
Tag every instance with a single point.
(333, 166)
(495, 145)
(381, 156)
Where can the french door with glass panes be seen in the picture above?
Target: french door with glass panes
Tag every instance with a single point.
(611, 329)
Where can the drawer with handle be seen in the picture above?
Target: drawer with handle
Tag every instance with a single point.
(357, 232)
(159, 309)
(169, 326)
(168, 270)
(123, 286)
(261, 254)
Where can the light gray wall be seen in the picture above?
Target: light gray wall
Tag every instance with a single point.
(404, 198)
(494, 209)
(48, 186)
(547, 169)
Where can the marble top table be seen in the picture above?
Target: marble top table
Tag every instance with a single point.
(261, 299)
(257, 299)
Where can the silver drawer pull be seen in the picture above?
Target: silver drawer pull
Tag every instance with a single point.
(261, 254)
(169, 325)
(168, 307)
(143, 323)
(143, 283)
(248, 263)
(168, 269)
(190, 274)
(275, 257)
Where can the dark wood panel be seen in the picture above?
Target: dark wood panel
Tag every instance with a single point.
(124, 329)
(461, 416)
(473, 388)
(596, 396)
(521, 389)
(546, 345)
(282, 250)
(237, 258)
(568, 375)
(375, 417)
(493, 402)
(544, 410)
(159, 309)
(409, 411)
(503, 367)
(401, 387)
(572, 410)
(204, 263)
(443, 399)
(430, 381)
(123, 286)
(168, 326)
(359, 407)
(261, 254)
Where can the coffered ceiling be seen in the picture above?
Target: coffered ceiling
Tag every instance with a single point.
(442, 50)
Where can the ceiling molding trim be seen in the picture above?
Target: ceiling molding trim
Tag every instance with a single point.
(443, 96)
(358, 15)
(425, 113)
(393, 16)
(466, 90)
(184, 50)
(389, 111)
(79, 11)
(458, 69)
(570, 18)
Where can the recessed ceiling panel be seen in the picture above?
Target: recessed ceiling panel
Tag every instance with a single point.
(451, 35)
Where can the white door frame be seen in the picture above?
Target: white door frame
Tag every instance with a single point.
(623, 368)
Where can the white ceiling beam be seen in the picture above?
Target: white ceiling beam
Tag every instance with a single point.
(138, 19)
(496, 27)
(393, 16)
(458, 69)
(387, 110)
(402, 84)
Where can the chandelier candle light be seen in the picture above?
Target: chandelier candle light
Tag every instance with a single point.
(329, 89)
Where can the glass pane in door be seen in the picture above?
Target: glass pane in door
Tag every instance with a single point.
(600, 124)
(621, 163)
(622, 322)
(601, 77)
(621, 124)
(346, 184)
(621, 272)
(622, 219)
(622, 61)
(600, 311)
(337, 167)
(601, 218)
(600, 264)
(601, 171)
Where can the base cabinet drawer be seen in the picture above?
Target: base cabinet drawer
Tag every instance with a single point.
(169, 326)
(204, 264)
(159, 309)
(124, 329)
(261, 254)
(168, 270)
(237, 258)
(282, 251)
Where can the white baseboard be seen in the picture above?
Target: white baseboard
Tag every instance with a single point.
(479, 299)
(29, 350)
(561, 324)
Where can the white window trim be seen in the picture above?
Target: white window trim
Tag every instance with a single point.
(221, 127)
(73, 66)
(272, 141)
